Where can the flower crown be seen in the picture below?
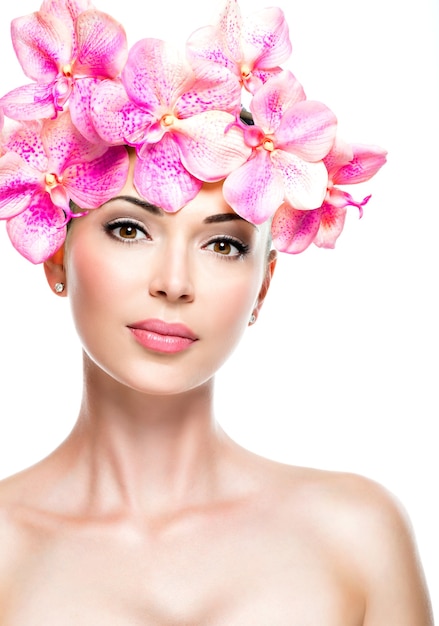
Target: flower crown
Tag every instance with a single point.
(66, 136)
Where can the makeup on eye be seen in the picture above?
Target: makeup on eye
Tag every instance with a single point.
(132, 231)
(227, 247)
(128, 230)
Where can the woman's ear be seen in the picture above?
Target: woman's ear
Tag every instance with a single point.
(55, 272)
(269, 270)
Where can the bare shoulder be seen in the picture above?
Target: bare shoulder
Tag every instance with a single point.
(12, 501)
(370, 535)
(16, 531)
(12, 538)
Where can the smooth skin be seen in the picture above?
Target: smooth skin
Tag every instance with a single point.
(148, 514)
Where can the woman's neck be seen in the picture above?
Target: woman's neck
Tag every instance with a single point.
(140, 452)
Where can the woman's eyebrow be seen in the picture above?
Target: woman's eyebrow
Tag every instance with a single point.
(152, 208)
(155, 210)
(224, 217)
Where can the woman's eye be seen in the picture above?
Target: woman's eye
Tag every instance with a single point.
(127, 231)
(227, 247)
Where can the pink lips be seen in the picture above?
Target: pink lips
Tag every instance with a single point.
(160, 336)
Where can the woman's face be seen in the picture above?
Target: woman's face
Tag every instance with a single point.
(160, 300)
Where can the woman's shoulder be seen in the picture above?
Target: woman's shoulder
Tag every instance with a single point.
(13, 539)
(13, 502)
(350, 506)
(367, 532)
(352, 494)
(18, 510)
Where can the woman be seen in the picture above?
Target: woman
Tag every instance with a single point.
(148, 513)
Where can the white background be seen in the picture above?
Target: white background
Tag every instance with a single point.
(341, 370)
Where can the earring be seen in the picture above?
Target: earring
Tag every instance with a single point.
(252, 318)
(59, 287)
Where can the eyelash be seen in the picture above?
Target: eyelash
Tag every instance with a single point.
(111, 227)
(241, 248)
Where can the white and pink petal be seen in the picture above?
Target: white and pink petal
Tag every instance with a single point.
(308, 129)
(265, 40)
(30, 102)
(156, 75)
(64, 144)
(80, 108)
(102, 45)
(43, 44)
(116, 119)
(215, 87)
(254, 190)
(91, 183)
(270, 103)
(38, 232)
(366, 162)
(161, 178)
(211, 145)
(230, 28)
(292, 230)
(18, 183)
(25, 140)
(332, 221)
(66, 10)
(340, 154)
(205, 44)
(304, 183)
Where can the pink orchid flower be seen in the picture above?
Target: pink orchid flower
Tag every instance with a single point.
(293, 231)
(2, 122)
(290, 138)
(180, 120)
(252, 47)
(66, 50)
(48, 164)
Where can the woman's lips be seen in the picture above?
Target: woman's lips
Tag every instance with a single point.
(160, 336)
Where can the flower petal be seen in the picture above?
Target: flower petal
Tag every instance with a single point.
(209, 149)
(29, 102)
(156, 75)
(257, 78)
(18, 183)
(91, 183)
(255, 189)
(305, 183)
(265, 38)
(102, 45)
(332, 221)
(215, 87)
(80, 108)
(66, 10)
(160, 177)
(65, 145)
(43, 43)
(366, 162)
(274, 98)
(115, 117)
(205, 44)
(25, 140)
(38, 232)
(308, 129)
(340, 154)
(293, 231)
(229, 27)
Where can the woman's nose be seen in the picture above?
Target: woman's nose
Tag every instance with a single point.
(171, 276)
